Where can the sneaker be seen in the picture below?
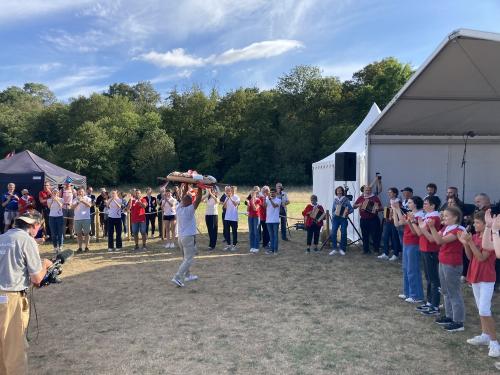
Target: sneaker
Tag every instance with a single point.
(402, 296)
(333, 252)
(463, 279)
(443, 320)
(233, 248)
(393, 258)
(172, 245)
(252, 250)
(118, 249)
(190, 278)
(110, 250)
(79, 250)
(431, 311)
(454, 327)
(383, 257)
(342, 252)
(269, 252)
(177, 282)
(494, 351)
(228, 247)
(136, 248)
(86, 250)
(167, 246)
(479, 340)
(308, 251)
(316, 249)
(413, 300)
(423, 307)
(144, 248)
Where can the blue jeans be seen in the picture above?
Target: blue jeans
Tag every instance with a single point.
(338, 221)
(391, 233)
(56, 224)
(253, 232)
(412, 277)
(272, 228)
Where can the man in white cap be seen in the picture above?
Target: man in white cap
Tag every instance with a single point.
(20, 265)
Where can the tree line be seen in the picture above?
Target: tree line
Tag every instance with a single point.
(130, 134)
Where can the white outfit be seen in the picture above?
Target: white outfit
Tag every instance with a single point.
(231, 209)
(273, 213)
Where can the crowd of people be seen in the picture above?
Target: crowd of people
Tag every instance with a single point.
(452, 243)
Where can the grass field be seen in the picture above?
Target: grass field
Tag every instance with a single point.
(292, 313)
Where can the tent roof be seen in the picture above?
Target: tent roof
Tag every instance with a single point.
(356, 141)
(27, 162)
(456, 90)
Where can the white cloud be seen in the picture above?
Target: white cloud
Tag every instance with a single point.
(260, 50)
(81, 77)
(177, 58)
(15, 10)
(171, 77)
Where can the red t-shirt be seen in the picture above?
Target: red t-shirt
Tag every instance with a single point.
(481, 271)
(363, 213)
(451, 253)
(25, 204)
(262, 209)
(44, 195)
(409, 238)
(310, 220)
(251, 211)
(137, 212)
(423, 243)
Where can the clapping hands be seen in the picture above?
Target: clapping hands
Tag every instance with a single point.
(464, 237)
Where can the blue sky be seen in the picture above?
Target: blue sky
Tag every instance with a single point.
(77, 47)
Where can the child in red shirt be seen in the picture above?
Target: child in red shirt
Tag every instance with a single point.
(314, 214)
(26, 202)
(482, 276)
(450, 268)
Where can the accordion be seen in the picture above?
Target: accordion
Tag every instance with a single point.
(387, 213)
(341, 210)
(369, 206)
(316, 214)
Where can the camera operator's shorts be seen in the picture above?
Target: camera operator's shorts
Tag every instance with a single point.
(82, 226)
(9, 217)
(14, 316)
(139, 227)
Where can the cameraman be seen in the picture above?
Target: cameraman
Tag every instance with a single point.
(20, 265)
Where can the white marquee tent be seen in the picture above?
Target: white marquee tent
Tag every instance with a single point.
(419, 136)
(324, 182)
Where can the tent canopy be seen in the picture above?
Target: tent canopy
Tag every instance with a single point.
(456, 90)
(27, 163)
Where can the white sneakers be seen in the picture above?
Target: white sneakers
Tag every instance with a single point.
(169, 245)
(110, 250)
(254, 250)
(190, 278)
(383, 256)
(402, 296)
(341, 252)
(226, 248)
(393, 258)
(494, 350)
(413, 300)
(333, 252)
(479, 340)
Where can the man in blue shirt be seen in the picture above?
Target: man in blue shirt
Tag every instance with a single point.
(10, 203)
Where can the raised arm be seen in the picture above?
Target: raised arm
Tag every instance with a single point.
(197, 200)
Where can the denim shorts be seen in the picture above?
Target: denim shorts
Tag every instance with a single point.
(139, 227)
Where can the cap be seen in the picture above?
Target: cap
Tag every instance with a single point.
(30, 218)
(68, 180)
(407, 189)
(24, 191)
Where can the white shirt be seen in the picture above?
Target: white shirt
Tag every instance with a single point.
(168, 209)
(115, 209)
(82, 211)
(212, 206)
(186, 220)
(231, 209)
(273, 213)
(55, 209)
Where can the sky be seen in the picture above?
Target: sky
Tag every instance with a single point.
(77, 47)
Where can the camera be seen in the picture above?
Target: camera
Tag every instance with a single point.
(53, 272)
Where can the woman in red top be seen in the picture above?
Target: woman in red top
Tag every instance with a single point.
(254, 204)
(412, 277)
(26, 202)
(429, 252)
(314, 214)
(450, 268)
(482, 276)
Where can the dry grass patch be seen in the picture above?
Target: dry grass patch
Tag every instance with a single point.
(248, 314)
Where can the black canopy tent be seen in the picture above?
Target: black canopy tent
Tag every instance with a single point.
(29, 171)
